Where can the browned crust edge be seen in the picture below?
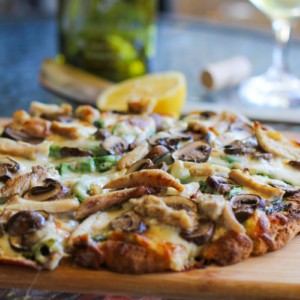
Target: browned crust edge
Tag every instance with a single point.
(229, 249)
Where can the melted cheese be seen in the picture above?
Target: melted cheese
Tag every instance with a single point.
(160, 234)
(6, 250)
(276, 168)
(82, 142)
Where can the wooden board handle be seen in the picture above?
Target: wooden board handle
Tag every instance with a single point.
(70, 82)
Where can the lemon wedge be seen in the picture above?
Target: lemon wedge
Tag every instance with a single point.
(167, 91)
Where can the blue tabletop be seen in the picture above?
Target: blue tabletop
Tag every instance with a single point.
(183, 45)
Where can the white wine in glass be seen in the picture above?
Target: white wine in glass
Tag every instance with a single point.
(277, 87)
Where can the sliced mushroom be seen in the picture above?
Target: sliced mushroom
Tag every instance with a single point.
(7, 166)
(17, 243)
(51, 190)
(199, 134)
(25, 222)
(157, 153)
(201, 115)
(295, 164)
(101, 134)
(140, 165)
(158, 119)
(289, 189)
(161, 166)
(24, 242)
(238, 147)
(10, 164)
(194, 152)
(22, 183)
(115, 145)
(4, 174)
(264, 156)
(19, 135)
(180, 202)
(168, 140)
(221, 185)
(207, 114)
(244, 205)
(202, 235)
(77, 152)
(128, 222)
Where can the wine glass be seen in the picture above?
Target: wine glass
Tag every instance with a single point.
(277, 87)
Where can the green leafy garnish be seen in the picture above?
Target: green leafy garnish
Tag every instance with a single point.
(99, 237)
(54, 151)
(204, 187)
(89, 165)
(100, 124)
(80, 198)
(229, 158)
(235, 191)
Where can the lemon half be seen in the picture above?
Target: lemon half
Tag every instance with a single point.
(167, 89)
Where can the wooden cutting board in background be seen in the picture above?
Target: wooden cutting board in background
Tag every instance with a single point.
(275, 275)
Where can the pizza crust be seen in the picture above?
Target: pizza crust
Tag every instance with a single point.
(229, 249)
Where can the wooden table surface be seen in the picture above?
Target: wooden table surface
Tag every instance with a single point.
(275, 275)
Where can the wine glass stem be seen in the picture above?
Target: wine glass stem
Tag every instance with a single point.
(282, 31)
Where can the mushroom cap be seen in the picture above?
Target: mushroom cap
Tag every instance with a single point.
(295, 164)
(239, 147)
(129, 222)
(19, 135)
(115, 145)
(194, 152)
(287, 188)
(25, 222)
(180, 202)
(157, 152)
(202, 234)
(220, 184)
(24, 242)
(169, 140)
(7, 166)
(244, 205)
(51, 190)
(140, 165)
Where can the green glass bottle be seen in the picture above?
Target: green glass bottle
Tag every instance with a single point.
(110, 38)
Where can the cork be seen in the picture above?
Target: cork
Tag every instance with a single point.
(226, 73)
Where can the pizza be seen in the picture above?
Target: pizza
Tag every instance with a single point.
(139, 192)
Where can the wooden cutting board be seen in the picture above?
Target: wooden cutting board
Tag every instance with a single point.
(275, 275)
(272, 276)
